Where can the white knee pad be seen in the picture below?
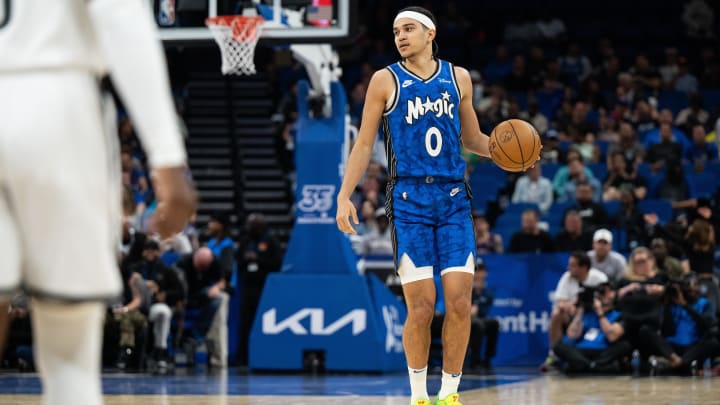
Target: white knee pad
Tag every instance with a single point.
(67, 345)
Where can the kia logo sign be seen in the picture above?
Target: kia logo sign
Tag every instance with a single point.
(270, 325)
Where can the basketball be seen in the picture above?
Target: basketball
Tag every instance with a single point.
(514, 145)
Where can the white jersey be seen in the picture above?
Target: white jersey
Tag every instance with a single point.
(47, 34)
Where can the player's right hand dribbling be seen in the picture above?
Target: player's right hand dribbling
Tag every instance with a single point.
(345, 211)
(176, 200)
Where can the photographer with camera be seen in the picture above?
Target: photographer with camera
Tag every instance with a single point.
(593, 342)
(578, 273)
(689, 329)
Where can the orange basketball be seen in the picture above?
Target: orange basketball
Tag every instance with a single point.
(514, 145)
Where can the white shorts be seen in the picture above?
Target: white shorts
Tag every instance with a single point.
(59, 187)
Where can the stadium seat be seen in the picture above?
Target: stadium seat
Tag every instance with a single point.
(672, 100)
(702, 184)
(599, 170)
(612, 208)
(662, 208)
(550, 169)
(519, 207)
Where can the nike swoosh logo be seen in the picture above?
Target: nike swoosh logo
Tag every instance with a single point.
(454, 191)
(407, 83)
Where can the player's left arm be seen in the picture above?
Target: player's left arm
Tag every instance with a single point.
(472, 137)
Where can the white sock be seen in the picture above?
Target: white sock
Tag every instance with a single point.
(68, 340)
(418, 384)
(450, 383)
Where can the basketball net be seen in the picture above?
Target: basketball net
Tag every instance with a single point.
(237, 37)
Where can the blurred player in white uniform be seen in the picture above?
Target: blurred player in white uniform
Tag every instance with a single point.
(59, 189)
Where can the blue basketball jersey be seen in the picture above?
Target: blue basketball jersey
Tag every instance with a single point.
(422, 125)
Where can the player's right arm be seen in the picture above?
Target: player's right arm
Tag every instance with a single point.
(378, 93)
(128, 41)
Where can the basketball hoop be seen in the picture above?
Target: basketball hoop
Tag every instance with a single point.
(236, 36)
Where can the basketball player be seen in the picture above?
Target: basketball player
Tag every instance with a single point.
(425, 105)
(59, 193)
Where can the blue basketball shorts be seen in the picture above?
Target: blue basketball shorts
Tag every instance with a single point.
(431, 226)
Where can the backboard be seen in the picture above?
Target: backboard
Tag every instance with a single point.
(287, 21)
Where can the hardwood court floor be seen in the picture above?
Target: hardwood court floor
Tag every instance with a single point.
(505, 389)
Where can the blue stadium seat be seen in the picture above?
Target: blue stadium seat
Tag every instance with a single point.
(506, 232)
(489, 170)
(550, 169)
(485, 189)
(603, 146)
(672, 100)
(620, 242)
(599, 170)
(662, 208)
(508, 219)
(519, 207)
(711, 99)
(702, 184)
(612, 207)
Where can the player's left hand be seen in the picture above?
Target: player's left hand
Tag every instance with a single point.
(345, 211)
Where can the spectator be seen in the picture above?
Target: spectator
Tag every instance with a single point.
(666, 264)
(700, 151)
(651, 137)
(500, 67)
(130, 316)
(619, 179)
(483, 327)
(632, 150)
(486, 241)
(593, 214)
(667, 149)
(647, 79)
(669, 69)
(575, 65)
(640, 296)
(530, 238)
(573, 237)
(685, 81)
(603, 258)
(19, 343)
(378, 241)
(593, 341)
(221, 244)
(577, 177)
(691, 115)
(563, 174)
(579, 273)
(259, 255)
(631, 219)
(535, 117)
(645, 116)
(688, 330)
(518, 79)
(607, 74)
(166, 290)
(551, 152)
(673, 185)
(549, 97)
(206, 287)
(493, 108)
(533, 188)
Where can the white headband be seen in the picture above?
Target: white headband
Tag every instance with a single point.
(421, 18)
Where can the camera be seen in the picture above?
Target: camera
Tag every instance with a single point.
(678, 286)
(586, 296)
